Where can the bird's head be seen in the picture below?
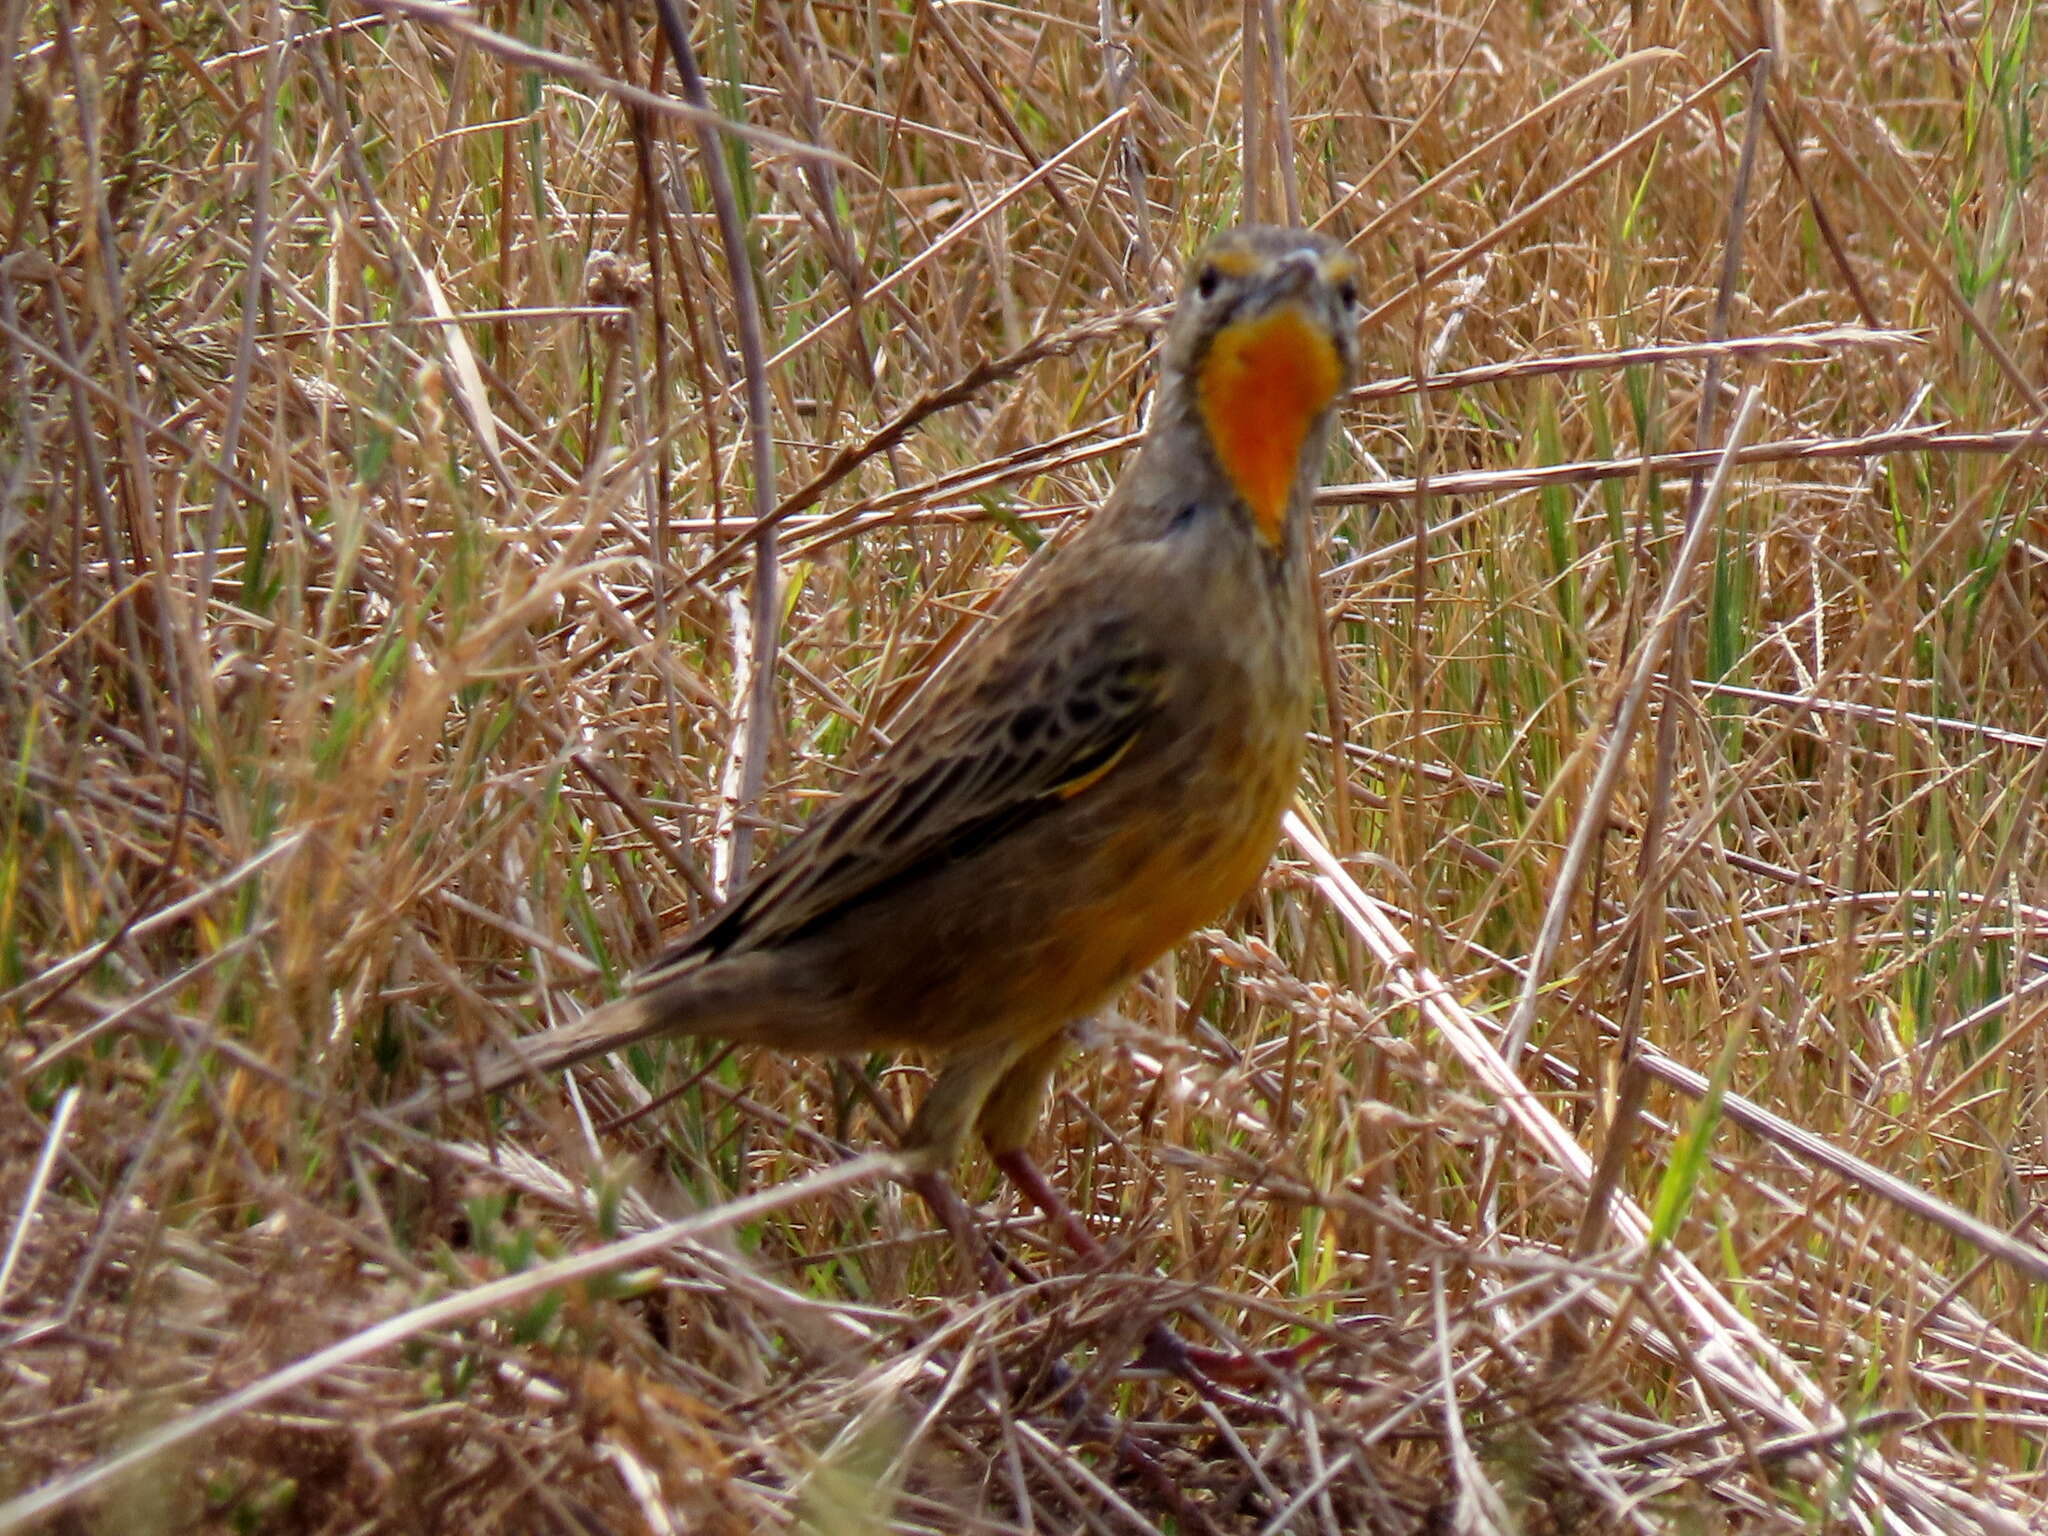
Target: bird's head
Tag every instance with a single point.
(1262, 343)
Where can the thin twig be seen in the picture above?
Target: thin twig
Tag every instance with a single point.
(1592, 813)
(756, 718)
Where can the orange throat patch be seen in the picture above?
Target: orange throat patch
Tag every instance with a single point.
(1262, 384)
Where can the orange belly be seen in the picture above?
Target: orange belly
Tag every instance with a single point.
(1172, 888)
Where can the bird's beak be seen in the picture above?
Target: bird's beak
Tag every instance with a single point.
(1292, 275)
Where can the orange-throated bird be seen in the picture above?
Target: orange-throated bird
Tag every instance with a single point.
(1099, 771)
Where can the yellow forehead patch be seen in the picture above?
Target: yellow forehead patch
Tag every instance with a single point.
(1235, 261)
(1263, 382)
(1244, 261)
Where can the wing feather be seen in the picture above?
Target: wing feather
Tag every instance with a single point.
(1013, 737)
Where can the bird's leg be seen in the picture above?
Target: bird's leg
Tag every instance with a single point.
(1001, 1089)
(931, 1151)
(1020, 1169)
(954, 1214)
(1201, 1367)
(1136, 1452)
(1013, 1106)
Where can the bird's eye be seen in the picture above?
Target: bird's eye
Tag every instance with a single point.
(1208, 282)
(1347, 293)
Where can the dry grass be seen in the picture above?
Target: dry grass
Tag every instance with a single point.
(379, 615)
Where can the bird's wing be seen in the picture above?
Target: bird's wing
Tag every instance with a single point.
(1023, 726)
(1030, 724)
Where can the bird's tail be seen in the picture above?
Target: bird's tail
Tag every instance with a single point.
(634, 1017)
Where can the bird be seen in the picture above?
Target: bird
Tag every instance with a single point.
(1100, 770)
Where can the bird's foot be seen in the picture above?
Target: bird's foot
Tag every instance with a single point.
(1202, 1367)
(1211, 1372)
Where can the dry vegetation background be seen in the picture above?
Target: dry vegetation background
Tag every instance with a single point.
(380, 595)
